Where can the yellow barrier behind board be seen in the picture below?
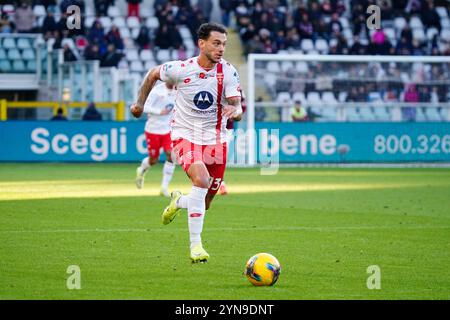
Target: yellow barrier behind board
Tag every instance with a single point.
(4, 105)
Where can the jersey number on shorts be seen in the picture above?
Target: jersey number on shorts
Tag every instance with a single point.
(214, 184)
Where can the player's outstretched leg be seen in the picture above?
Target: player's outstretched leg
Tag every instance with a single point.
(171, 211)
(141, 171)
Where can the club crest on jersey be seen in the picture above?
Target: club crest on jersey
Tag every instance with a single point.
(203, 100)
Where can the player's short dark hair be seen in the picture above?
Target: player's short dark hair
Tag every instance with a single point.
(205, 30)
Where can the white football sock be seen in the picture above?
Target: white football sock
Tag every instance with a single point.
(196, 214)
(145, 164)
(168, 170)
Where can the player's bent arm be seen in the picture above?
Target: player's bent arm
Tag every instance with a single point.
(234, 108)
(147, 86)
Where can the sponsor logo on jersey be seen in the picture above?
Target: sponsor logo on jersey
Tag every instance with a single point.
(187, 80)
(203, 100)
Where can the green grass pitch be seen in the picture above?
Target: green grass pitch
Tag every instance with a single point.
(325, 226)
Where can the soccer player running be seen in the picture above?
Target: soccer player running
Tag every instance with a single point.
(159, 107)
(208, 93)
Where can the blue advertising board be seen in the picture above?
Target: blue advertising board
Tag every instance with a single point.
(357, 142)
(292, 142)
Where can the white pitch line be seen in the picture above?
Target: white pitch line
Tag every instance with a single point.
(323, 229)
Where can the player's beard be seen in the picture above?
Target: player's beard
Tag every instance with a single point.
(211, 57)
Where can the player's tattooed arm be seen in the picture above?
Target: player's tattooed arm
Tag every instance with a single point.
(233, 109)
(147, 86)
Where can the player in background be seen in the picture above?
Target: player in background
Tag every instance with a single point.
(223, 190)
(159, 108)
(208, 95)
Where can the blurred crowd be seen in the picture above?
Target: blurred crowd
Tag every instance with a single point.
(268, 26)
(96, 42)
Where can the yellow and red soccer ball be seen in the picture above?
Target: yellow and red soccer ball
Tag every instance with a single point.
(263, 269)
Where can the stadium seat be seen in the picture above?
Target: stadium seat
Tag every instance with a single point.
(135, 33)
(342, 96)
(119, 22)
(329, 113)
(163, 55)
(89, 22)
(189, 44)
(301, 67)
(400, 23)
(307, 45)
(125, 32)
(14, 54)
(18, 66)
(344, 22)
(445, 23)
(321, 45)
(390, 33)
(23, 43)
(146, 12)
(114, 12)
(28, 54)
(420, 115)
(381, 113)
(2, 54)
(132, 55)
(328, 98)
(286, 66)
(136, 66)
(270, 79)
(106, 23)
(146, 55)
(375, 96)
(9, 43)
(445, 34)
(299, 96)
(352, 114)
(31, 66)
(445, 114)
(8, 9)
(366, 114)
(284, 97)
(313, 98)
(442, 12)
(431, 32)
(150, 64)
(185, 33)
(273, 66)
(415, 23)
(348, 34)
(39, 11)
(133, 22)
(432, 114)
(152, 23)
(5, 66)
(419, 35)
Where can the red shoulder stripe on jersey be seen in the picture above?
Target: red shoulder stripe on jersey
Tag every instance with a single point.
(219, 100)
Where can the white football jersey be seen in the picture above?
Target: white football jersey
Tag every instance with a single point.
(197, 116)
(159, 99)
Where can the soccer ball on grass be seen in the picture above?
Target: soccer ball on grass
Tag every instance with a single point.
(262, 269)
